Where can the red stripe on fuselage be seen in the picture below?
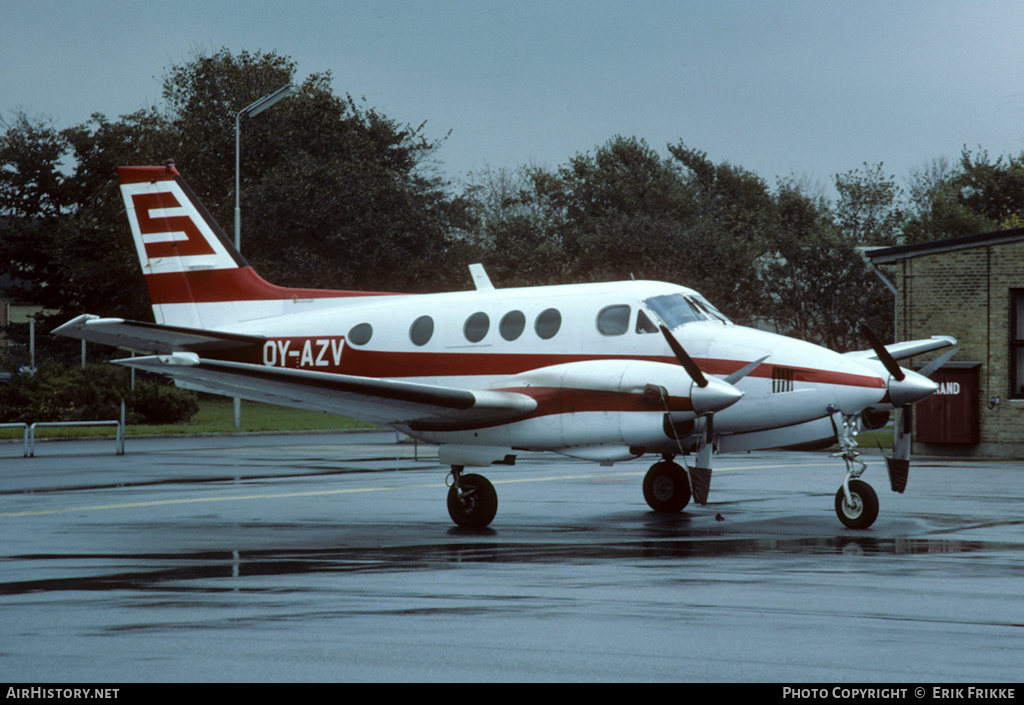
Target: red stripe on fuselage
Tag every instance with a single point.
(371, 363)
(412, 364)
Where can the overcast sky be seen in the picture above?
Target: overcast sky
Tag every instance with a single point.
(788, 87)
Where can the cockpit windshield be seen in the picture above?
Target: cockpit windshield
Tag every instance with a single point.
(710, 309)
(678, 309)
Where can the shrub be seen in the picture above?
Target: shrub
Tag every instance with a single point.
(55, 392)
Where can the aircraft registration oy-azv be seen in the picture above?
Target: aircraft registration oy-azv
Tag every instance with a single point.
(605, 372)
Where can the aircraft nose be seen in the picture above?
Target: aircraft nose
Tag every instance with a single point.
(717, 395)
(911, 389)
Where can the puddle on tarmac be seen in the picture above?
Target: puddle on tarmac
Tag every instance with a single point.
(174, 572)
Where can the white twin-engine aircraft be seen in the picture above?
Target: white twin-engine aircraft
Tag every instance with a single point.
(602, 372)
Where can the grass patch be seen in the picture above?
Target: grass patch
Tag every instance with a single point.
(216, 415)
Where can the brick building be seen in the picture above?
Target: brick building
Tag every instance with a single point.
(971, 288)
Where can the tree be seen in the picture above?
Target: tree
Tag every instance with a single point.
(511, 231)
(818, 285)
(334, 195)
(31, 182)
(870, 209)
(624, 210)
(993, 190)
(976, 195)
(735, 225)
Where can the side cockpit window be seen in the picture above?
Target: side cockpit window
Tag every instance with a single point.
(613, 320)
(644, 324)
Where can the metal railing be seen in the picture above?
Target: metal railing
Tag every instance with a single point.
(31, 441)
(18, 425)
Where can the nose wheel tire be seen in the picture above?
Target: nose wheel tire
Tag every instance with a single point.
(472, 501)
(862, 512)
(666, 487)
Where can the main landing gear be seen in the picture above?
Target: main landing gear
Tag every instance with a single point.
(472, 500)
(668, 487)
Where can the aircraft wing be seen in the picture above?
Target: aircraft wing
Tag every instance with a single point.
(139, 336)
(900, 351)
(382, 401)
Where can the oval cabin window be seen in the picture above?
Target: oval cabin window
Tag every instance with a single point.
(476, 327)
(548, 323)
(422, 330)
(512, 325)
(360, 334)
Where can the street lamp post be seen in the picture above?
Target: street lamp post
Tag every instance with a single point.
(250, 110)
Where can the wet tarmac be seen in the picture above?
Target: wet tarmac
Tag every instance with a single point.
(332, 558)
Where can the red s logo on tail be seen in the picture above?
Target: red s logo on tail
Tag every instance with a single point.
(180, 236)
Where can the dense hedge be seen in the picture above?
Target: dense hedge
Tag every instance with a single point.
(56, 392)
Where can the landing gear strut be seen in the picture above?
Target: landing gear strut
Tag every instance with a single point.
(472, 500)
(856, 501)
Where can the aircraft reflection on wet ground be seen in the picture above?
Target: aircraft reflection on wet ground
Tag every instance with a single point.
(212, 565)
(318, 558)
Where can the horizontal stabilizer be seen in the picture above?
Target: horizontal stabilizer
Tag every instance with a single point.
(142, 337)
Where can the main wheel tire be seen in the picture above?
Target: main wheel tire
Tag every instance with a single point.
(864, 510)
(666, 487)
(474, 503)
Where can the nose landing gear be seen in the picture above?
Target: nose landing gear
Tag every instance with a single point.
(857, 504)
(856, 501)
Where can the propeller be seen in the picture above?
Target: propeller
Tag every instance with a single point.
(904, 390)
(899, 463)
(711, 395)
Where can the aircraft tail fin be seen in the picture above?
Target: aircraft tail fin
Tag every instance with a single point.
(195, 275)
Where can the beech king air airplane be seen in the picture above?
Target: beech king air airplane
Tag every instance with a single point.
(603, 372)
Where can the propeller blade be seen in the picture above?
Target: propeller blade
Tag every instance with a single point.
(883, 355)
(700, 474)
(933, 366)
(744, 371)
(899, 463)
(685, 360)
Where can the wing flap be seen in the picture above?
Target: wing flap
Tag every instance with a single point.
(142, 337)
(381, 401)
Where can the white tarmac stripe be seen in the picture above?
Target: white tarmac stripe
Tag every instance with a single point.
(326, 493)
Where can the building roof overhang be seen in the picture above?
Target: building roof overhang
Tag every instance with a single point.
(888, 255)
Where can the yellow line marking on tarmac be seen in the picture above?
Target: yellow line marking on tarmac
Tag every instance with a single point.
(325, 493)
